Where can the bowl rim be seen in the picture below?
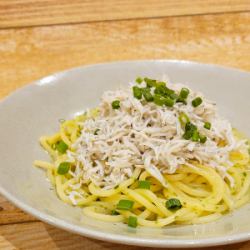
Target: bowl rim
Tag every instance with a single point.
(115, 238)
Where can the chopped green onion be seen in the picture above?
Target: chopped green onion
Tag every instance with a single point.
(61, 147)
(144, 184)
(181, 100)
(190, 126)
(147, 95)
(164, 91)
(125, 204)
(203, 138)
(173, 204)
(169, 102)
(189, 130)
(63, 168)
(184, 93)
(116, 104)
(207, 125)
(195, 136)
(159, 100)
(160, 90)
(188, 135)
(139, 80)
(158, 84)
(173, 96)
(137, 92)
(114, 212)
(132, 221)
(96, 131)
(150, 82)
(183, 118)
(196, 102)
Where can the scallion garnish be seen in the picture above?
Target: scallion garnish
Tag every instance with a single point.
(132, 221)
(150, 82)
(173, 204)
(163, 90)
(203, 138)
(137, 92)
(173, 96)
(187, 135)
(207, 125)
(189, 130)
(125, 204)
(147, 95)
(158, 84)
(61, 147)
(63, 168)
(116, 104)
(179, 99)
(144, 184)
(159, 100)
(195, 136)
(196, 102)
(183, 118)
(184, 93)
(169, 102)
(114, 212)
(139, 80)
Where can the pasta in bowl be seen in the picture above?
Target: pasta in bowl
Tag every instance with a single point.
(152, 154)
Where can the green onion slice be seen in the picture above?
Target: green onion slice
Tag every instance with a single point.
(63, 168)
(125, 204)
(189, 131)
(195, 136)
(159, 100)
(147, 95)
(61, 147)
(132, 221)
(150, 82)
(116, 104)
(139, 80)
(169, 102)
(144, 184)
(203, 138)
(114, 212)
(207, 125)
(137, 92)
(196, 102)
(173, 204)
(183, 118)
(184, 93)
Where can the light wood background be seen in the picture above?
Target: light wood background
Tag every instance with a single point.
(40, 37)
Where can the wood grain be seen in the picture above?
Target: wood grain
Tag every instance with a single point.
(10, 214)
(30, 53)
(19, 13)
(39, 236)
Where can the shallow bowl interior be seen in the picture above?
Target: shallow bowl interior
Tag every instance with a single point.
(35, 110)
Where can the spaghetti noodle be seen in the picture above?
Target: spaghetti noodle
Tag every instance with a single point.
(187, 192)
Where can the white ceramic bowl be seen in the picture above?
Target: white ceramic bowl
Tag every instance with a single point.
(35, 110)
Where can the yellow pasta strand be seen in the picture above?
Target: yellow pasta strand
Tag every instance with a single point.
(204, 194)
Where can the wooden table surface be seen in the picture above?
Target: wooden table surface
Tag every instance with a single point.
(40, 37)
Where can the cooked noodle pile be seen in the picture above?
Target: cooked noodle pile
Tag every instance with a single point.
(151, 155)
